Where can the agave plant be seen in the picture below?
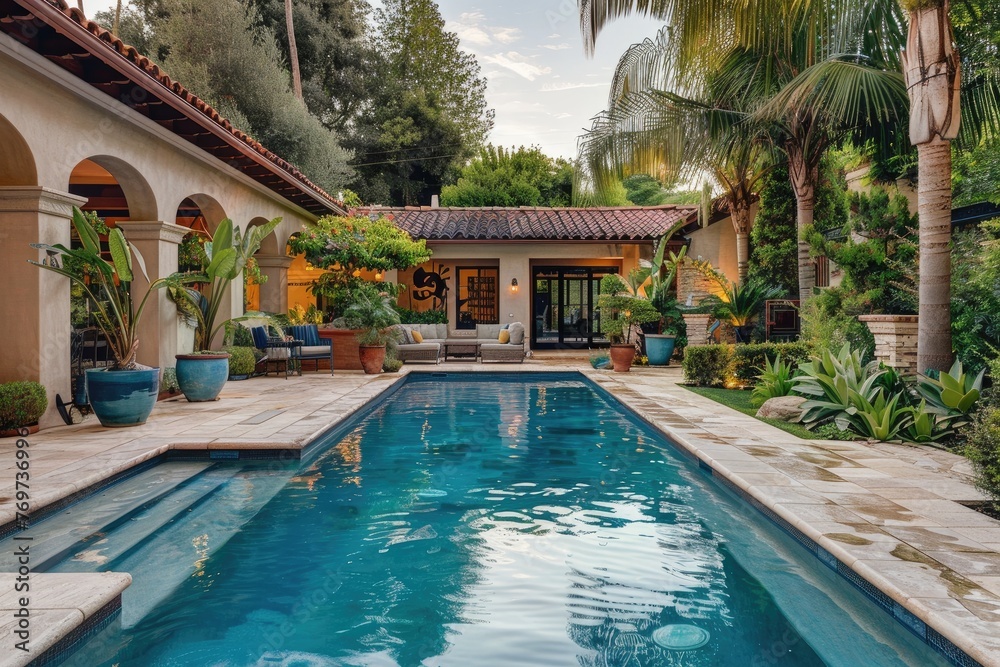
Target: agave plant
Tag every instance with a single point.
(927, 426)
(835, 386)
(776, 379)
(882, 419)
(951, 393)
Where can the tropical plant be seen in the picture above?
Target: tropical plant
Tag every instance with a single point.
(835, 385)
(621, 311)
(660, 290)
(106, 283)
(242, 360)
(227, 254)
(374, 317)
(776, 379)
(928, 426)
(21, 404)
(739, 303)
(983, 443)
(882, 418)
(953, 393)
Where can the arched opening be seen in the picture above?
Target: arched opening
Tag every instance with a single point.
(201, 213)
(17, 165)
(253, 277)
(114, 189)
(302, 303)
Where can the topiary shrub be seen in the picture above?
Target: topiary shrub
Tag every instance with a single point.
(983, 444)
(749, 359)
(242, 361)
(21, 404)
(708, 365)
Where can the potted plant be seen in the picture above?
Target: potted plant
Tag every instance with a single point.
(21, 406)
(202, 374)
(621, 313)
(660, 341)
(373, 317)
(740, 303)
(124, 393)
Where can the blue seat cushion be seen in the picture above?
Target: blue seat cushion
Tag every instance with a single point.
(259, 337)
(308, 334)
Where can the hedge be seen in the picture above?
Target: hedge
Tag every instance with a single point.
(21, 404)
(749, 359)
(242, 360)
(714, 365)
(708, 365)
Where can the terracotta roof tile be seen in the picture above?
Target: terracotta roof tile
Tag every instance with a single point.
(169, 86)
(537, 224)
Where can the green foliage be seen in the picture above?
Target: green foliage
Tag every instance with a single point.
(775, 380)
(191, 253)
(238, 335)
(829, 321)
(773, 234)
(621, 312)
(521, 177)
(106, 284)
(644, 190)
(882, 419)
(952, 394)
(975, 291)
(830, 431)
(227, 255)
(408, 316)
(374, 316)
(983, 443)
(750, 358)
(391, 365)
(21, 404)
(215, 49)
(168, 381)
(242, 360)
(835, 386)
(300, 315)
(739, 303)
(708, 365)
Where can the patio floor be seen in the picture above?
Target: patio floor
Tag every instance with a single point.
(887, 511)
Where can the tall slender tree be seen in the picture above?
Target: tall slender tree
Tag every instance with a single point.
(293, 52)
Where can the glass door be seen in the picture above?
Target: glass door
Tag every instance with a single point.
(564, 300)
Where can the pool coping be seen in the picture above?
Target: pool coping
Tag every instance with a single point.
(696, 440)
(933, 626)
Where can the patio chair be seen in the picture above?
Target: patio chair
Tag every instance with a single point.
(276, 352)
(313, 348)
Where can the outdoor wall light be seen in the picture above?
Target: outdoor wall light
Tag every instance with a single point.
(513, 285)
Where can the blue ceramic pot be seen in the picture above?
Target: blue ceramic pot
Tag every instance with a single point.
(122, 398)
(202, 376)
(659, 349)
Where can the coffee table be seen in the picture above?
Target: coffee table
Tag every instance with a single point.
(461, 350)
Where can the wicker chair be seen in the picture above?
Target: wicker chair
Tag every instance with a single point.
(501, 352)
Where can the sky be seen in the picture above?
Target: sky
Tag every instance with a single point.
(543, 87)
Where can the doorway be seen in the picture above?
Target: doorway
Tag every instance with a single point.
(563, 306)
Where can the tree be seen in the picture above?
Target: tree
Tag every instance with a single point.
(773, 235)
(515, 177)
(644, 190)
(293, 53)
(221, 52)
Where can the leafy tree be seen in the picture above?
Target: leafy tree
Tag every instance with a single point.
(975, 175)
(516, 177)
(773, 235)
(644, 190)
(975, 304)
(221, 52)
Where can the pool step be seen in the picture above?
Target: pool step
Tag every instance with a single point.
(90, 520)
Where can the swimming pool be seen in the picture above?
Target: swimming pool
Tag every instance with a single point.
(473, 520)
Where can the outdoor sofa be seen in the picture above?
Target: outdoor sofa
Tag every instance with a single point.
(486, 338)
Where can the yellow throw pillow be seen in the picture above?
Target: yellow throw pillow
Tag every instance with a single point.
(504, 336)
(417, 338)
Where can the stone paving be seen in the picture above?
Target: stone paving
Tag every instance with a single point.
(887, 511)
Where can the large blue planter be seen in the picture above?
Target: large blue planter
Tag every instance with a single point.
(659, 349)
(122, 398)
(202, 376)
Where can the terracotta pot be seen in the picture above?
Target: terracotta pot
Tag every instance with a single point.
(621, 357)
(15, 433)
(371, 357)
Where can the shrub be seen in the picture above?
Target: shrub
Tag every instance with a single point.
(983, 444)
(242, 360)
(408, 316)
(168, 380)
(391, 365)
(776, 380)
(21, 404)
(750, 359)
(708, 365)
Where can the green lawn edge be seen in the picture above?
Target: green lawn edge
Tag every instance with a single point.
(739, 399)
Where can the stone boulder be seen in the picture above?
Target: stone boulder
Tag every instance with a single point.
(785, 408)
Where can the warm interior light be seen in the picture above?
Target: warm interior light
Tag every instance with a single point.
(513, 285)
(310, 267)
(378, 276)
(357, 273)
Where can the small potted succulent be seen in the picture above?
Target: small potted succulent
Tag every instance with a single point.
(124, 393)
(621, 314)
(21, 406)
(374, 318)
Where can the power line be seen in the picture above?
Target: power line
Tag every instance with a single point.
(412, 159)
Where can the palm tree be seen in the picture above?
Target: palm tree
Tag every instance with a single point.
(293, 51)
(795, 81)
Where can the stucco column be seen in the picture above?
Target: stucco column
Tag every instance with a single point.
(274, 292)
(35, 304)
(516, 306)
(157, 242)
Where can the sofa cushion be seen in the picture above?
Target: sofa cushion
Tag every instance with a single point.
(487, 331)
(417, 337)
(425, 330)
(405, 337)
(504, 336)
(314, 350)
(441, 330)
(516, 333)
(462, 334)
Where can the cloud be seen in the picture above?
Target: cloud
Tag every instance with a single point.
(518, 64)
(555, 47)
(558, 87)
(505, 35)
(554, 35)
(471, 28)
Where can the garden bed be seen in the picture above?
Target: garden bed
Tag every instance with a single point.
(739, 399)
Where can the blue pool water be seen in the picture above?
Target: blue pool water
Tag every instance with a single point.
(467, 521)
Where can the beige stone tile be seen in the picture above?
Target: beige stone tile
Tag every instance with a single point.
(933, 538)
(48, 626)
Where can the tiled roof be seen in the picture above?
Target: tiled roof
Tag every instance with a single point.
(64, 36)
(537, 224)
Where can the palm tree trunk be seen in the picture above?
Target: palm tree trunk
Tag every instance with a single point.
(741, 224)
(79, 4)
(118, 18)
(933, 77)
(293, 51)
(803, 178)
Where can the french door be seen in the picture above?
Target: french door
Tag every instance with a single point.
(563, 306)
